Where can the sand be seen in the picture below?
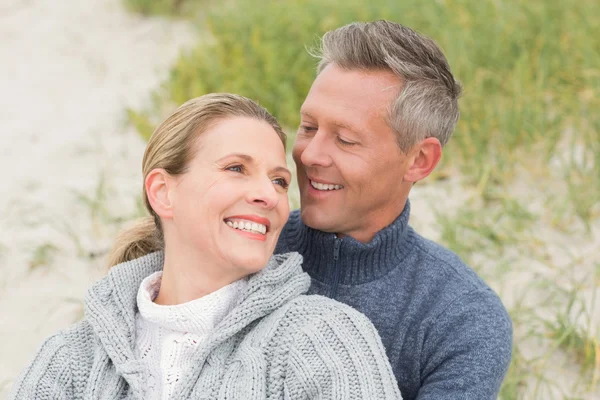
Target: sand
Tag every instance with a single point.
(70, 166)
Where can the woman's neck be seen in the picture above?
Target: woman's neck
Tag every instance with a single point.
(187, 276)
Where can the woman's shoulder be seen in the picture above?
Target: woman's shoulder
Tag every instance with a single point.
(314, 313)
(306, 312)
(74, 340)
(51, 369)
(316, 306)
(319, 341)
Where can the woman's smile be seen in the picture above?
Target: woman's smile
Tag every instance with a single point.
(251, 226)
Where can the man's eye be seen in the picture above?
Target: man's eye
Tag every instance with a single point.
(307, 128)
(345, 142)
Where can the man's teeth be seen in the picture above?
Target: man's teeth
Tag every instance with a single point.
(248, 226)
(324, 186)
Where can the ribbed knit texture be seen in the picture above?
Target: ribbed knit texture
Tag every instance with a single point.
(168, 336)
(446, 333)
(275, 344)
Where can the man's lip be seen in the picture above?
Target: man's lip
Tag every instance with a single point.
(321, 181)
(254, 218)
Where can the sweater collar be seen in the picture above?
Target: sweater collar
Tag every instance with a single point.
(353, 262)
(111, 306)
(198, 316)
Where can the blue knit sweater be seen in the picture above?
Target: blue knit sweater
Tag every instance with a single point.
(446, 333)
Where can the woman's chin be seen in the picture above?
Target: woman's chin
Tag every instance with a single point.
(250, 263)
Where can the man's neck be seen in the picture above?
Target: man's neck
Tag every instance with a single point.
(366, 232)
(350, 261)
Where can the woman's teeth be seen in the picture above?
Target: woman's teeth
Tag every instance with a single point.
(248, 226)
(325, 186)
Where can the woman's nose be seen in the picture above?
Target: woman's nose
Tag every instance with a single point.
(263, 194)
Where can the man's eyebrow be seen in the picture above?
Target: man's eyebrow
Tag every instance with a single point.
(336, 123)
(250, 159)
(309, 115)
(346, 126)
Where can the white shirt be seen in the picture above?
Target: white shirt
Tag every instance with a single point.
(167, 336)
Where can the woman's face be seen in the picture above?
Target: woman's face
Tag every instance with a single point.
(232, 202)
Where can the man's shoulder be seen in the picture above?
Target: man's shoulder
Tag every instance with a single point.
(457, 285)
(286, 243)
(433, 258)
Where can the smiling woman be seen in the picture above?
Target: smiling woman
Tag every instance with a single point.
(235, 180)
(196, 305)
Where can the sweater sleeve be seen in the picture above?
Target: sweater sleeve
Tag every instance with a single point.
(337, 354)
(466, 349)
(48, 376)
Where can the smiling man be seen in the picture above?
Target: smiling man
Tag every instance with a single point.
(383, 105)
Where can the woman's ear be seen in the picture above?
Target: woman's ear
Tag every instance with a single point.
(426, 155)
(157, 189)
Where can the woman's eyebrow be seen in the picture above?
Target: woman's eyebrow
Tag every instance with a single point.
(243, 156)
(282, 170)
(250, 159)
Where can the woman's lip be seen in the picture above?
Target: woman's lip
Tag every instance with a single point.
(251, 235)
(253, 218)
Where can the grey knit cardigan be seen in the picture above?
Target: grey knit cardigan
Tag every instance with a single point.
(276, 344)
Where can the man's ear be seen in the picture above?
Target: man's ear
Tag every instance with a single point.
(157, 189)
(426, 156)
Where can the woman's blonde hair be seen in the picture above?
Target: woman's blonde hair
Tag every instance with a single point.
(171, 147)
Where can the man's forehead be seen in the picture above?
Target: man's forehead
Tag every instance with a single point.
(352, 91)
(344, 113)
(365, 81)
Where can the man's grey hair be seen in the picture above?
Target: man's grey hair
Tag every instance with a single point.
(427, 104)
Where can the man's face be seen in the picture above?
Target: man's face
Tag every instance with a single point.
(350, 169)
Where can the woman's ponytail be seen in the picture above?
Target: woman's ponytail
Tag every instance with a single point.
(141, 239)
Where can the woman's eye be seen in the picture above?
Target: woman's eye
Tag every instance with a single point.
(235, 168)
(281, 182)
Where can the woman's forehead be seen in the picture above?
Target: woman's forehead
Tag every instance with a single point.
(243, 136)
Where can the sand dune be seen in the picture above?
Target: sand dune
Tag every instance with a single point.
(71, 169)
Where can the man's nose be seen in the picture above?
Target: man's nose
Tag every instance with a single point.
(316, 151)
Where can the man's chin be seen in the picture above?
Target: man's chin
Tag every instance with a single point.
(317, 218)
